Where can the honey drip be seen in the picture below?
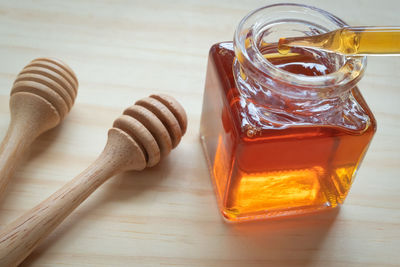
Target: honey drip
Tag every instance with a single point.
(349, 41)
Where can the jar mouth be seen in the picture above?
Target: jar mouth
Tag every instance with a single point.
(314, 21)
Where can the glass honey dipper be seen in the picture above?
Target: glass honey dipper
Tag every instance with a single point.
(349, 41)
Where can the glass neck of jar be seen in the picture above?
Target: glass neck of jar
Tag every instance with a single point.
(256, 76)
(280, 95)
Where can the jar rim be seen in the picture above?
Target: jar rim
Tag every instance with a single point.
(354, 65)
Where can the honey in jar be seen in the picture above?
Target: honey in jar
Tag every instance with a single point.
(283, 134)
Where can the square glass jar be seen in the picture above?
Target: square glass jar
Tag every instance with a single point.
(281, 140)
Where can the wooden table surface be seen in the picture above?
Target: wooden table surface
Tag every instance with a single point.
(167, 215)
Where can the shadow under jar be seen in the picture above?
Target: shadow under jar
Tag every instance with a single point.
(282, 134)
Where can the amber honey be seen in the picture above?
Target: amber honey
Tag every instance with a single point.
(275, 169)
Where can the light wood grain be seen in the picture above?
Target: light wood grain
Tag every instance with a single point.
(166, 215)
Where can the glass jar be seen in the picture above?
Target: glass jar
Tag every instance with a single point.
(282, 134)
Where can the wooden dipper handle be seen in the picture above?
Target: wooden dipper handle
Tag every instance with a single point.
(145, 132)
(42, 94)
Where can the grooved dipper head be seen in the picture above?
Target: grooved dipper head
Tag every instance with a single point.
(52, 80)
(156, 124)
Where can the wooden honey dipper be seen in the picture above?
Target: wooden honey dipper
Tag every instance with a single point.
(42, 94)
(146, 132)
